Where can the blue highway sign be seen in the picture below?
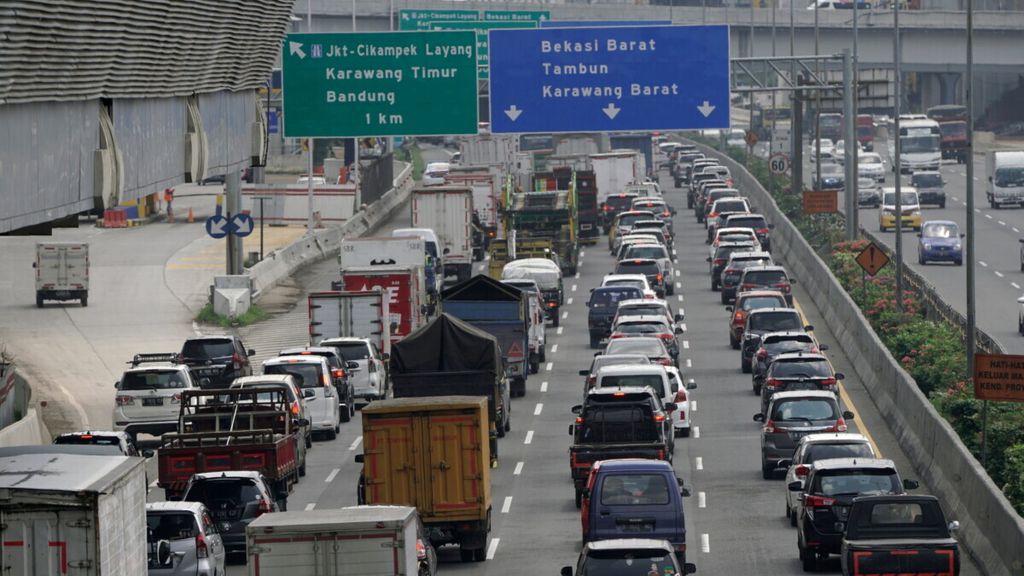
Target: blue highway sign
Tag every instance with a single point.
(601, 23)
(241, 225)
(609, 79)
(217, 226)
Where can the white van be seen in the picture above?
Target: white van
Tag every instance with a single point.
(538, 338)
(1005, 170)
(313, 373)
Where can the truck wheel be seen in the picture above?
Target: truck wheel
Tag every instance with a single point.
(302, 468)
(331, 434)
(345, 415)
(501, 430)
(544, 353)
(596, 341)
(466, 555)
(39, 297)
(480, 554)
(85, 301)
(534, 366)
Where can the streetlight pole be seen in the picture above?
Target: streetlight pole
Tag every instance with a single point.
(897, 90)
(852, 156)
(309, 153)
(817, 104)
(971, 302)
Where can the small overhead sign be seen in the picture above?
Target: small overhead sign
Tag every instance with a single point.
(872, 259)
(820, 202)
(999, 377)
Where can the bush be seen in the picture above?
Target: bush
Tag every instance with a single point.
(251, 316)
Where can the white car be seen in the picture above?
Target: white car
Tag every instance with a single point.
(869, 165)
(148, 397)
(313, 373)
(370, 380)
(839, 151)
(815, 447)
(683, 396)
(637, 280)
(317, 180)
(435, 173)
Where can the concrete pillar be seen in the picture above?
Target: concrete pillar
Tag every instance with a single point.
(948, 82)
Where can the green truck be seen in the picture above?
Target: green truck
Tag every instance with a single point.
(545, 222)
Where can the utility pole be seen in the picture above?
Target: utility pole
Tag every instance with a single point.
(854, 152)
(771, 135)
(817, 104)
(971, 302)
(310, 142)
(233, 205)
(796, 184)
(850, 135)
(897, 90)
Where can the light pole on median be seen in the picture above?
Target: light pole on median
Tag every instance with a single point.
(854, 153)
(971, 303)
(897, 95)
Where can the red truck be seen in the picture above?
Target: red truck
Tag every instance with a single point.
(254, 428)
(866, 131)
(406, 288)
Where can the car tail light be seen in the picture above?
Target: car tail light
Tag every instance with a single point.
(773, 383)
(666, 336)
(325, 380)
(748, 286)
(741, 316)
(616, 336)
(680, 396)
(783, 285)
(761, 230)
(201, 550)
(338, 373)
(125, 400)
(762, 354)
(236, 360)
(579, 420)
(812, 501)
(176, 398)
(552, 304)
(665, 361)
(659, 417)
(661, 454)
(839, 427)
(264, 507)
(828, 382)
(491, 233)
(802, 470)
(659, 277)
(666, 213)
(719, 261)
(296, 408)
(619, 394)
(421, 550)
(769, 427)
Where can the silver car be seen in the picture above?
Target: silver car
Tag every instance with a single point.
(815, 447)
(659, 253)
(196, 546)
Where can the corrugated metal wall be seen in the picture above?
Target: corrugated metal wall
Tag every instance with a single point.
(46, 161)
(151, 136)
(227, 119)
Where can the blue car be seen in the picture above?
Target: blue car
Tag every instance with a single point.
(940, 242)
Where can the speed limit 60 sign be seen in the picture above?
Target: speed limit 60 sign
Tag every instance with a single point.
(779, 164)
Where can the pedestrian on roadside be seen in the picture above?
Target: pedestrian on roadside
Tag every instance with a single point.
(169, 197)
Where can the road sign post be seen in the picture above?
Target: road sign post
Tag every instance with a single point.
(871, 259)
(779, 164)
(379, 84)
(609, 79)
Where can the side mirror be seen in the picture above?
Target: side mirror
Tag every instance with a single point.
(792, 280)
(919, 235)
(689, 568)
(795, 486)
(118, 383)
(148, 453)
(784, 463)
(584, 372)
(679, 330)
(758, 417)
(728, 309)
(809, 328)
(250, 352)
(684, 492)
(308, 394)
(847, 415)
(680, 317)
(385, 356)
(911, 484)
(359, 458)
(823, 348)
(691, 385)
(671, 407)
(840, 376)
(352, 365)
(577, 409)
(566, 571)
(300, 422)
(953, 526)
(708, 259)
(839, 527)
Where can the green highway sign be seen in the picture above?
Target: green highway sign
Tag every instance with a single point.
(516, 15)
(379, 84)
(421, 19)
(481, 28)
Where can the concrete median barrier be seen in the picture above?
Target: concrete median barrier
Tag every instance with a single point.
(991, 530)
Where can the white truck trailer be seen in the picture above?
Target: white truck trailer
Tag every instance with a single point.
(448, 211)
(62, 272)
(357, 314)
(615, 170)
(66, 513)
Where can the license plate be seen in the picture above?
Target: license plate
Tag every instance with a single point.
(62, 294)
(636, 525)
(585, 227)
(152, 401)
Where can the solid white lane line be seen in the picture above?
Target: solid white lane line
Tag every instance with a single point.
(492, 548)
(355, 443)
(529, 437)
(702, 500)
(331, 476)
(519, 469)
(569, 302)
(696, 432)
(537, 410)
(686, 344)
(699, 463)
(1015, 285)
(543, 386)
(983, 263)
(705, 543)
(310, 506)
(693, 405)
(549, 365)
(554, 348)
(560, 328)
(689, 363)
(507, 505)
(998, 273)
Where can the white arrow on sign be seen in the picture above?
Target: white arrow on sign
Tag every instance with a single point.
(296, 49)
(217, 225)
(243, 226)
(611, 111)
(513, 112)
(706, 109)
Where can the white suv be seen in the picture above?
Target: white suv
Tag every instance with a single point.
(313, 373)
(148, 397)
(370, 380)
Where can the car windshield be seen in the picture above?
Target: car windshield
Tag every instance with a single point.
(748, 222)
(634, 490)
(775, 321)
(804, 409)
(634, 267)
(765, 277)
(629, 282)
(730, 206)
(646, 251)
(822, 451)
(643, 346)
(152, 380)
(611, 298)
(306, 373)
(756, 302)
(907, 198)
(936, 230)
(856, 482)
(353, 350)
(207, 348)
(172, 525)
(803, 368)
(953, 128)
(831, 170)
(628, 562)
(919, 144)
(618, 423)
(869, 159)
(223, 495)
(719, 194)
(735, 236)
(652, 380)
(926, 180)
(627, 220)
(1010, 176)
(621, 202)
(638, 328)
(723, 252)
(88, 439)
(604, 360)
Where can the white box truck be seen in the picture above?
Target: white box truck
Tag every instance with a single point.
(358, 314)
(67, 513)
(1005, 172)
(615, 170)
(62, 272)
(488, 150)
(353, 541)
(381, 252)
(448, 211)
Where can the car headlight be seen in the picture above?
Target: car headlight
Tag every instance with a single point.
(926, 245)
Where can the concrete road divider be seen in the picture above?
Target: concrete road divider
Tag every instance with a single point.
(991, 530)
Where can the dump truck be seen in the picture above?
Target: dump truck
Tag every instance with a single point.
(432, 454)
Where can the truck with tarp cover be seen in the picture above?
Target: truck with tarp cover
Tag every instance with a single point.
(545, 221)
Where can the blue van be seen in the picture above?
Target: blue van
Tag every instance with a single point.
(635, 498)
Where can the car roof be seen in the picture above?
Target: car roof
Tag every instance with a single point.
(175, 506)
(632, 368)
(608, 277)
(343, 339)
(313, 351)
(746, 215)
(295, 360)
(774, 309)
(751, 254)
(633, 464)
(736, 243)
(734, 230)
(638, 261)
(841, 463)
(646, 301)
(210, 337)
(248, 474)
(635, 212)
(835, 438)
(622, 357)
(765, 268)
(760, 294)
(944, 222)
(800, 356)
(786, 334)
(622, 390)
(263, 380)
(629, 544)
(642, 318)
(639, 339)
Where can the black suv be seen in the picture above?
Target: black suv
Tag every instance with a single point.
(827, 496)
(215, 361)
(799, 371)
(775, 343)
(762, 321)
(757, 223)
(234, 499)
(603, 304)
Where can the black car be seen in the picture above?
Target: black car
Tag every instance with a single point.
(799, 371)
(718, 261)
(757, 223)
(215, 361)
(603, 304)
(234, 499)
(762, 321)
(650, 268)
(776, 343)
(612, 205)
(828, 495)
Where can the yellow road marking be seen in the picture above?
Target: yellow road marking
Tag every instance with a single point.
(847, 401)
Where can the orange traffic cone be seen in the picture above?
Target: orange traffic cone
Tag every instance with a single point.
(191, 218)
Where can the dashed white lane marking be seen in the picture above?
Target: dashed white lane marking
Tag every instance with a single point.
(989, 216)
(310, 506)
(702, 500)
(332, 475)
(998, 273)
(699, 463)
(573, 288)
(1015, 285)
(560, 328)
(577, 276)
(693, 405)
(544, 386)
(519, 468)
(507, 505)
(537, 410)
(529, 437)
(355, 443)
(554, 348)
(696, 432)
(983, 263)
(492, 548)
(705, 543)
(582, 253)
(683, 326)
(569, 302)
(955, 199)
(680, 297)
(678, 274)
(549, 366)
(689, 363)
(679, 285)
(977, 210)
(1015, 230)
(565, 315)
(1001, 223)
(686, 344)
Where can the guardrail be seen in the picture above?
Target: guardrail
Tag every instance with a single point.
(324, 243)
(992, 531)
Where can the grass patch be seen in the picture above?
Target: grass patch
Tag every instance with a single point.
(253, 315)
(412, 154)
